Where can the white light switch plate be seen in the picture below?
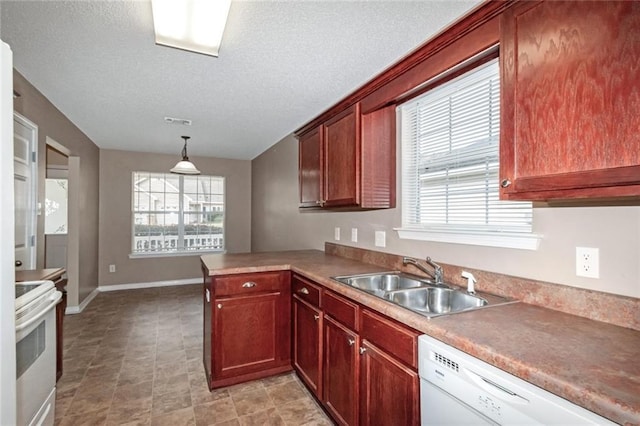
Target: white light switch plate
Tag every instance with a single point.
(336, 234)
(354, 235)
(381, 239)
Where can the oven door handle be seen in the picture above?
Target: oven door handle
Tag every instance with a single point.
(54, 301)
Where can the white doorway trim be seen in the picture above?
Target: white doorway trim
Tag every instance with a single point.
(33, 207)
(73, 235)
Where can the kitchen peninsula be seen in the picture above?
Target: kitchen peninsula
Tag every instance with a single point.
(590, 363)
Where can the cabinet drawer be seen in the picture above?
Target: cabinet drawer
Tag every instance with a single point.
(341, 310)
(239, 284)
(396, 339)
(306, 290)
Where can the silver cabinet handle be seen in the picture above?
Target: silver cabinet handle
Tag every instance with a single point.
(351, 342)
(219, 305)
(316, 317)
(208, 295)
(362, 350)
(505, 183)
(249, 284)
(303, 290)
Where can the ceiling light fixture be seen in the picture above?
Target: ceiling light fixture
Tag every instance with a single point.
(184, 166)
(194, 25)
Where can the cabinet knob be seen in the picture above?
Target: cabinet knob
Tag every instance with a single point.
(249, 284)
(316, 317)
(362, 350)
(18, 263)
(303, 290)
(505, 183)
(219, 305)
(351, 342)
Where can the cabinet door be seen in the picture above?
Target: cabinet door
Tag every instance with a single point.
(246, 334)
(307, 344)
(342, 159)
(341, 372)
(310, 168)
(389, 393)
(570, 96)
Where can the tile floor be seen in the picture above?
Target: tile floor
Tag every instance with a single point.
(134, 357)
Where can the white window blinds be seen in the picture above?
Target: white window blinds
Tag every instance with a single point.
(450, 144)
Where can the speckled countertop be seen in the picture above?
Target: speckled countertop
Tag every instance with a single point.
(591, 363)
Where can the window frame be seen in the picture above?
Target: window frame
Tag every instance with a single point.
(465, 234)
(181, 223)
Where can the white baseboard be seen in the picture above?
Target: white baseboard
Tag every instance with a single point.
(77, 309)
(134, 286)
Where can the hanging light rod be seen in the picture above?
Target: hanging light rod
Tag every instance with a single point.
(184, 166)
(193, 25)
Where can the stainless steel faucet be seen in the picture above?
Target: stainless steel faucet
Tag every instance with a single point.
(437, 273)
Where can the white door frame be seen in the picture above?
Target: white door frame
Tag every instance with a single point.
(7, 244)
(33, 207)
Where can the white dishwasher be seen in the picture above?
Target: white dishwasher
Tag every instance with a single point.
(458, 389)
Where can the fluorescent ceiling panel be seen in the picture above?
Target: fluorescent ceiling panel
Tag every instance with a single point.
(194, 25)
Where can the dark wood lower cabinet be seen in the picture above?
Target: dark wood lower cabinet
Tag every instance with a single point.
(360, 365)
(389, 390)
(247, 332)
(307, 344)
(341, 372)
(61, 286)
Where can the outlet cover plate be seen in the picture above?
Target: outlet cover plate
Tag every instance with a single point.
(354, 235)
(381, 239)
(588, 262)
(336, 233)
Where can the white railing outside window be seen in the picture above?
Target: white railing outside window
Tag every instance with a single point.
(177, 213)
(450, 164)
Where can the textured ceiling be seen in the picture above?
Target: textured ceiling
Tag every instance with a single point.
(281, 63)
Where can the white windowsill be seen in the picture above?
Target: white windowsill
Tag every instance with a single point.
(488, 239)
(174, 253)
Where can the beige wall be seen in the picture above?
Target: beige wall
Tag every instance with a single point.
(52, 123)
(278, 224)
(115, 215)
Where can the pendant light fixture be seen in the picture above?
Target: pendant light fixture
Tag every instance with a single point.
(184, 166)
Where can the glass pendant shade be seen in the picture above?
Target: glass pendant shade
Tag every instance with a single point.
(184, 166)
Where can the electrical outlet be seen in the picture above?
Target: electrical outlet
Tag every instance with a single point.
(112, 268)
(381, 239)
(588, 262)
(354, 235)
(336, 233)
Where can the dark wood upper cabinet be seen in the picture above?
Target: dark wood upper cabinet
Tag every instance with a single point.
(570, 97)
(342, 159)
(349, 161)
(310, 168)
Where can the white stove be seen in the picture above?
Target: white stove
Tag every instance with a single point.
(36, 352)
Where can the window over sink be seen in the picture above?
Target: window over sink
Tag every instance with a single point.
(176, 214)
(450, 163)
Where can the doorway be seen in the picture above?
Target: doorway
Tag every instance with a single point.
(56, 207)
